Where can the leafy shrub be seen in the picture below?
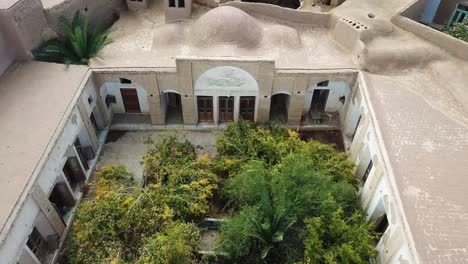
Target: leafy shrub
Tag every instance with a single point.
(174, 245)
(335, 238)
(459, 30)
(188, 180)
(77, 45)
(243, 141)
(121, 218)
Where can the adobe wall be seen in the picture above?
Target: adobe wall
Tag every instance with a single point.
(282, 13)
(299, 85)
(208, 3)
(30, 23)
(450, 44)
(101, 14)
(10, 44)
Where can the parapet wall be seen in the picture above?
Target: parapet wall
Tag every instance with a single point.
(208, 3)
(450, 44)
(415, 10)
(101, 13)
(282, 13)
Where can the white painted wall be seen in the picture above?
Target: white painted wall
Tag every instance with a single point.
(89, 92)
(377, 195)
(337, 89)
(30, 214)
(18, 234)
(113, 88)
(352, 116)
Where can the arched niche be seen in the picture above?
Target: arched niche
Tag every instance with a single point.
(226, 80)
(231, 93)
(116, 105)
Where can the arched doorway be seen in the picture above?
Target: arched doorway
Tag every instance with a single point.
(124, 102)
(279, 108)
(226, 94)
(171, 104)
(325, 101)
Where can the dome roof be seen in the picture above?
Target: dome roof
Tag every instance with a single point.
(227, 25)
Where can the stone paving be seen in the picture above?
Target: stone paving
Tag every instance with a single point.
(128, 148)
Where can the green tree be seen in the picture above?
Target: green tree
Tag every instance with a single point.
(459, 30)
(273, 199)
(77, 45)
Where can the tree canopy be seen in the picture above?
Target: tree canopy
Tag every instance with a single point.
(298, 204)
(286, 201)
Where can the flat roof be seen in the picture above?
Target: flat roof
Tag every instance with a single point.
(143, 39)
(6, 4)
(425, 134)
(34, 98)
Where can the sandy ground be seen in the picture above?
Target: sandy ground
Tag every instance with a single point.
(128, 148)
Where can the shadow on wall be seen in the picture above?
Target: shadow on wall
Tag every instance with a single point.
(294, 4)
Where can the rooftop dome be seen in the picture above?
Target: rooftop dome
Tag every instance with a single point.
(227, 25)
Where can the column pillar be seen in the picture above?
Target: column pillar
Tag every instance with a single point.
(265, 86)
(92, 133)
(189, 110)
(296, 107)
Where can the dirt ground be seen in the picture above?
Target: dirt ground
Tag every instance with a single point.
(128, 148)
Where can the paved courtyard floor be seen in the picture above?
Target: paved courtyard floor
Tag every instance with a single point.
(128, 148)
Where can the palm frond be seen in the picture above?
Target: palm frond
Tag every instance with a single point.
(76, 46)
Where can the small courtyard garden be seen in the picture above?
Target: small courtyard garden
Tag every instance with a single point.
(281, 200)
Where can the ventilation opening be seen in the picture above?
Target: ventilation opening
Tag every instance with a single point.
(126, 81)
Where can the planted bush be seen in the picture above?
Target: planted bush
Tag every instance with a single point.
(459, 30)
(125, 223)
(77, 44)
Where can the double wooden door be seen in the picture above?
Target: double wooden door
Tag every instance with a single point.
(226, 109)
(130, 100)
(205, 108)
(247, 107)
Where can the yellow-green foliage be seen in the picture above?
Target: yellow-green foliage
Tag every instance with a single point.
(334, 238)
(174, 245)
(244, 141)
(122, 218)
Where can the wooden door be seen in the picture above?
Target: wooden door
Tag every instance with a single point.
(130, 100)
(247, 107)
(205, 108)
(226, 109)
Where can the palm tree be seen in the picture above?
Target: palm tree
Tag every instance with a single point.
(76, 46)
(272, 226)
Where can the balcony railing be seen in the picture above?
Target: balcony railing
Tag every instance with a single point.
(460, 14)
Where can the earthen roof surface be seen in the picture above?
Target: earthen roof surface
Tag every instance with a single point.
(419, 95)
(143, 39)
(34, 98)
